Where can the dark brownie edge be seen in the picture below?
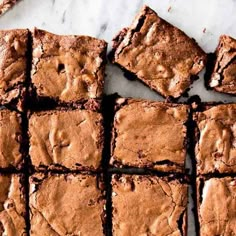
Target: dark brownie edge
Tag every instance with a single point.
(47, 105)
(209, 69)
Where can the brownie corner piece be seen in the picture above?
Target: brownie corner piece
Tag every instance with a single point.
(55, 145)
(52, 196)
(149, 140)
(67, 68)
(159, 54)
(223, 78)
(161, 205)
(215, 139)
(11, 142)
(216, 205)
(13, 204)
(13, 67)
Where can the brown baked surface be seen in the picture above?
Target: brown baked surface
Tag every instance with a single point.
(66, 138)
(13, 49)
(148, 205)
(66, 204)
(150, 134)
(67, 68)
(216, 206)
(5, 5)
(12, 205)
(215, 150)
(223, 78)
(159, 54)
(10, 141)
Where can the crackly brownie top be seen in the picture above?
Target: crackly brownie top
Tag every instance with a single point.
(71, 138)
(68, 68)
(11, 137)
(161, 55)
(13, 48)
(148, 205)
(150, 134)
(5, 5)
(216, 144)
(217, 206)
(223, 78)
(12, 206)
(66, 204)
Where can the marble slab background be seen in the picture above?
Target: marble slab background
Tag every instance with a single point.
(204, 20)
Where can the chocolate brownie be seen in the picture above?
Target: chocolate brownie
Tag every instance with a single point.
(66, 204)
(159, 54)
(11, 140)
(5, 5)
(71, 139)
(149, 134)
(223, 78)
(148, 205)
(67, 69)
(13, 63)
(216, 206)
(215, 149)
(12, 205)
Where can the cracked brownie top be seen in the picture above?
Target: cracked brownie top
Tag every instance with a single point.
(223, 78)
(216, 209)
(216, 139)
(159, 54)
(70, 139)
(67, 68)
(13, 61)
(12, 205)
(66, 204)
(148, 205)
(10, 141)
(149, 134)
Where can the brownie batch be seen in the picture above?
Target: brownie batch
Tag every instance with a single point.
(70, 164)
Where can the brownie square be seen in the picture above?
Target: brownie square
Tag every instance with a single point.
(215, 148)
(159, 54)
(66, 204)
(11, 153)
(149, 134)
(223, 78)
(216, 206)
(13, 63)
(67, 69)
(12, 205)
(148, 205)
(66, 139)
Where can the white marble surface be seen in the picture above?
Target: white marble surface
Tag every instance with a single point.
(104, 18)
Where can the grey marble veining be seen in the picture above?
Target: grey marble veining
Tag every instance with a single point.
(204, 20)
